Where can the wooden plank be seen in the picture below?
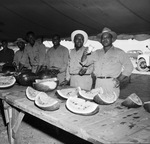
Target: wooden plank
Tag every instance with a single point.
(116, 128)
(30, 108)
(142, 136)
(60, 120)
(10, 139)
(105, 112)
(64, 114)
(6, 106)
(15, 113)
(17, 123)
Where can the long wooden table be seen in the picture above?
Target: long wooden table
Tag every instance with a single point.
(112, 124)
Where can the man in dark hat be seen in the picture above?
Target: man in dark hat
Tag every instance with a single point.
(111, 64)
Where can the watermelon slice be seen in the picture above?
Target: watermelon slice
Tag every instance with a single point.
(44, 102)
(81, 106)
(68, 92)
(105, 98)
(132, 101)
(7, 81)
(89, 95)
(31, 93)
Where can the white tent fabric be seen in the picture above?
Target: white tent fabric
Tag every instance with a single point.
(47, 17)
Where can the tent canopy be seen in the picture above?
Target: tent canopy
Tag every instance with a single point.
(48, 17)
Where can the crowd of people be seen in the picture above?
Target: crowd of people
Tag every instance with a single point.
(106, 67)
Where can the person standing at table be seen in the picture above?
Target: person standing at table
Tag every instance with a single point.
(19, 55)
(57, 58)
(6, 54)
(74, 69)
(111, 64)
(35, 52)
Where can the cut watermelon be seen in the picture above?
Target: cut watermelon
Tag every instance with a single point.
(7, 81)
(81, 106)
(46, 85)
(44, 102)
(68, 92)
(31, 93)
(89, 95)
(132, 101)
(147, 106)
(105, 98)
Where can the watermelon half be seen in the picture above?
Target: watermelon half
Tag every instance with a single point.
(89, 95)
(132, 101)
(44, 102)
(81, 106)
(31, 93)
(7, 81)
(146, 106)
(46, 85)
(67, 92)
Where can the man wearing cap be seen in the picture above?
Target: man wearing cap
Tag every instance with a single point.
(111, 64)
(57, 58)
(74, 73)
(19, 55)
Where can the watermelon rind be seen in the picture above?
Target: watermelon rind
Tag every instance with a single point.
(146, 106)
(44, 102)
(132, 101)
(67, 92)
(105, 99)
(7, 81)
(81, 107)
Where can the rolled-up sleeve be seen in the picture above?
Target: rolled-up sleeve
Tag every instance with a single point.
(90, 59)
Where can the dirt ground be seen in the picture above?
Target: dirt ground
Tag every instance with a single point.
(35, 131)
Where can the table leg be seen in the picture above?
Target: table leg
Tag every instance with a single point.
(13, 120)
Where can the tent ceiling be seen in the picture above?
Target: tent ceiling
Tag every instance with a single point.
(47, 17)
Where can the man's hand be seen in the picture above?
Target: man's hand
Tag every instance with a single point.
(82, 71)
(119, 80)
(65, 82)
(21, 66)
(116, 83)
(55, 72)
(84, 55)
